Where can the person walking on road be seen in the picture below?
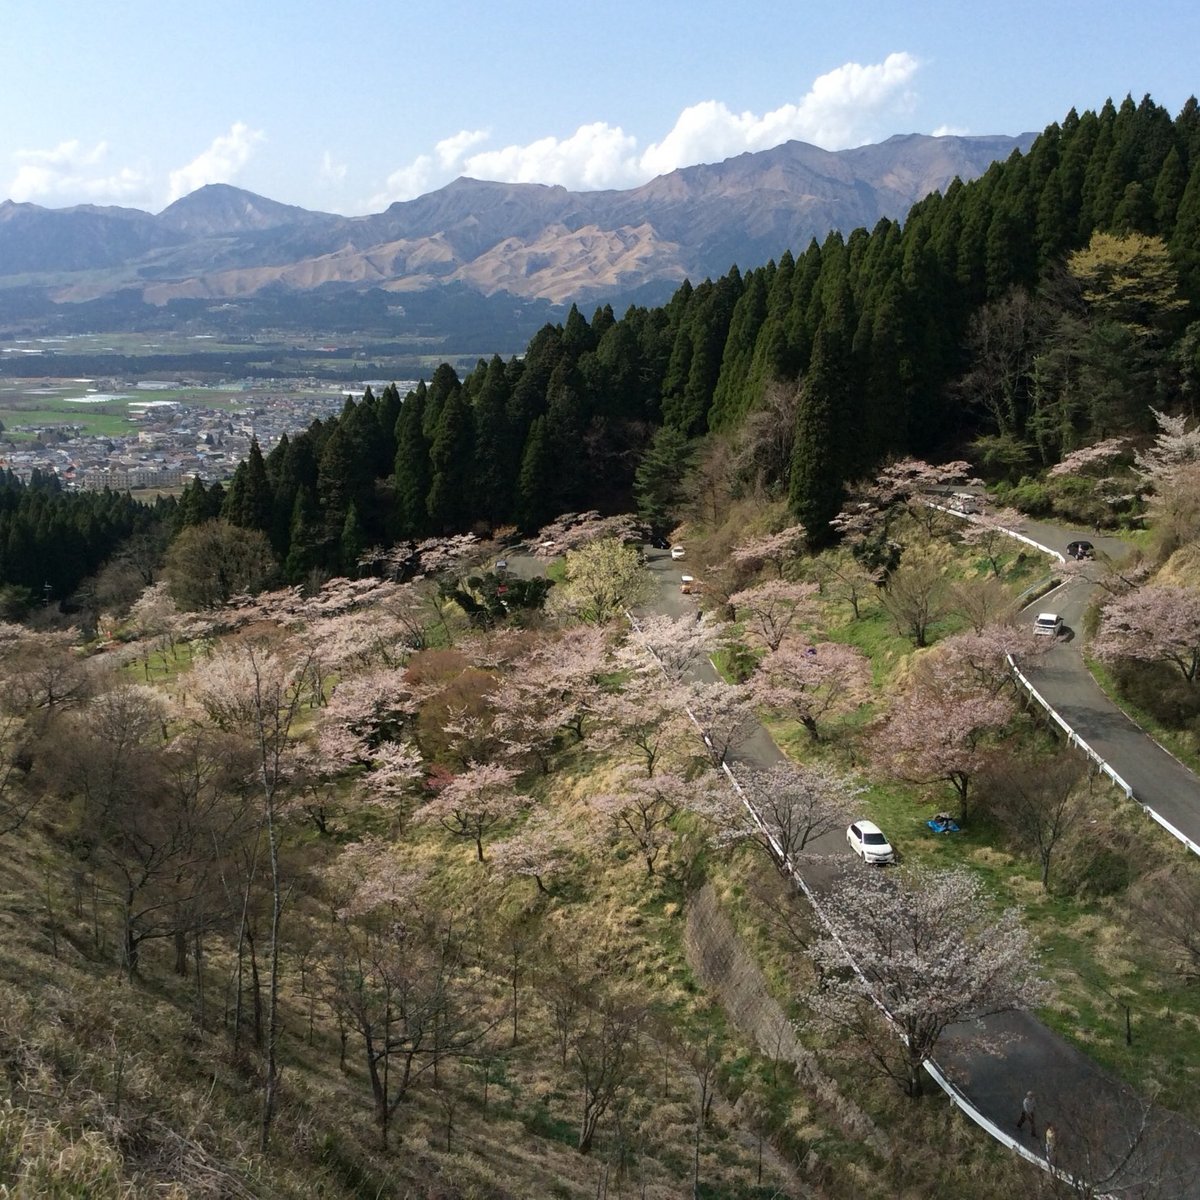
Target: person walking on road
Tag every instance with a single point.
(1027, 1114)
(1050, 1144)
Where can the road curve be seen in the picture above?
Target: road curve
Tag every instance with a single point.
(1159, 781)
(992, 1063)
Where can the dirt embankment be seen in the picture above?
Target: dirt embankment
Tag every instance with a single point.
(724, 966)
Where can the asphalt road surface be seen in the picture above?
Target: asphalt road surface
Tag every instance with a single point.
(1157, 779)
(1104, 1132)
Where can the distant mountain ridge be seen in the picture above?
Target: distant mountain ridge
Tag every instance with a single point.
(528, 240)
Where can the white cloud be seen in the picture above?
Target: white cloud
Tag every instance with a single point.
(332, 174)
(220, 163)
(73, 172)
(450, 151)
(842, 108)
(951, 131)
(594, 156)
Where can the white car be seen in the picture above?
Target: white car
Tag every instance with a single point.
(867, 841)
(676, 551)
(1048, 625)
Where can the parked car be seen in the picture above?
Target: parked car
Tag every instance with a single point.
(867, 841)
(1048, 624)
(1081, 550)
(676, 551)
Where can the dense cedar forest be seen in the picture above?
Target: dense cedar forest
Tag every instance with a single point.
(1041, 307)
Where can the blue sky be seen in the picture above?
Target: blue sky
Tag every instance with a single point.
(350, 105)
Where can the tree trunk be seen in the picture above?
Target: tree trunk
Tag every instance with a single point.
(181, 953)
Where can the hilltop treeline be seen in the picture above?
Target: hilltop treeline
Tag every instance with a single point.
(1042, 306)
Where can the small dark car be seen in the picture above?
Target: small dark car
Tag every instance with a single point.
(1081, 550)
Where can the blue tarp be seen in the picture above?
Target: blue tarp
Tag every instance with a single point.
(942, 825)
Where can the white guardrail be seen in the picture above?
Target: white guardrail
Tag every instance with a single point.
(951, 1090)
(1073, 738)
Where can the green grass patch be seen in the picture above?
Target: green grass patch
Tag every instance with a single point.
(1180, 742)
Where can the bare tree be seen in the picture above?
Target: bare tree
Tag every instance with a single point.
(604, 1049)
(258, 689)
(1165, 908)
(1042, 803)
(917, 594)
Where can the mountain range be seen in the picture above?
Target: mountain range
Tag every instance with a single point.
(529, 241)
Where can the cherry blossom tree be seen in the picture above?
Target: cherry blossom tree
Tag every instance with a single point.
(571, 531)
(772, 609)
(550, 691)
(812, 682)
(1153, 624)
(641, 809)
(672, 646)
(1097, 459)
(795, 804)
(983, 656)
(540, 850)
(938, 727)
(647, 716)
(873, 505)
(991, 534)
(474, 803)
(930, 952)
(774, 548)
(1176, 445)
(726, 716)
(373, 707)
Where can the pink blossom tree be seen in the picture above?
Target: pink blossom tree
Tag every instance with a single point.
(642, 809)
(726, 716)
(1153, 624)
(991, 534)
(647, 717)
(931, 952)
(812, 682)
(671, 646)
(773, 609)
(773, 548)
(795, 804)
(474, 803)
(938, 728)
(983, 655)
(540, 850)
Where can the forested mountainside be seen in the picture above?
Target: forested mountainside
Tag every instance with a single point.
(1042, 306)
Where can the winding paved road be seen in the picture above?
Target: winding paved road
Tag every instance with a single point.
(1158, 780)
(1104, 1132)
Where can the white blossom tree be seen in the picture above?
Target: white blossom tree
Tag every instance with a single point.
(474, 803)
(795, 804)
(726, 715)
(771, 610)
(812, 682)
(1153, 624)
(930, 952)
